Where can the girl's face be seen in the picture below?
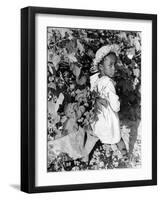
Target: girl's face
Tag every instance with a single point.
(108, 68)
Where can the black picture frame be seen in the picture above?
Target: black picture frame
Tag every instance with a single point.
(28, 98)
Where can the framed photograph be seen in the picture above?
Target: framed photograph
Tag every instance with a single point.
(88, 99)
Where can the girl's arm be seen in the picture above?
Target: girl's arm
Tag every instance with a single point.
(108, 91)
(113, 98)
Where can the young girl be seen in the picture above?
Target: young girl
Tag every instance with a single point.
(107, 125)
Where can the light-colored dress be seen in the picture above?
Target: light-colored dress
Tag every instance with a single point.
(107, 127)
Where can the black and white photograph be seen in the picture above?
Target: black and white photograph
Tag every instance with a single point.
(93, 99)
(89, 99)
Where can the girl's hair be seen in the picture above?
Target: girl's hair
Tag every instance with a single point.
(110, 54)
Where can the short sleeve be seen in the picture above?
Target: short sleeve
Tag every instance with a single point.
(93, 80)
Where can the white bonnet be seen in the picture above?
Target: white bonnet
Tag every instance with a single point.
(102, 52)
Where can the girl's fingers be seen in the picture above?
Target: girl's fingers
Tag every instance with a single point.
(102, 101)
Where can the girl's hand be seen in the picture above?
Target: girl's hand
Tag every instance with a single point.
(102, 101)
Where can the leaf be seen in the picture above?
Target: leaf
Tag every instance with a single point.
(59, 100)
(131, 40)
(82, 80)
(88, 40)
(50, 56)
(102, 41)
(136, 72)
(79, 111)
(63, 119)
(80, 47)
(63, 32)
(81, 95)
(130, 53)
(91, 53)
(72, 57)
(137, 44)
(69, 110)
(122, 35)
(136, 81)
(50, 68)
(76, 70)
(71, 46)
(51, 107)
(56, 60)
(52, 85)
(58, 35)
(78, 114)
(134, 41)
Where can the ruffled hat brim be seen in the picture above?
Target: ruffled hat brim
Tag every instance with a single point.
(101, 53)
